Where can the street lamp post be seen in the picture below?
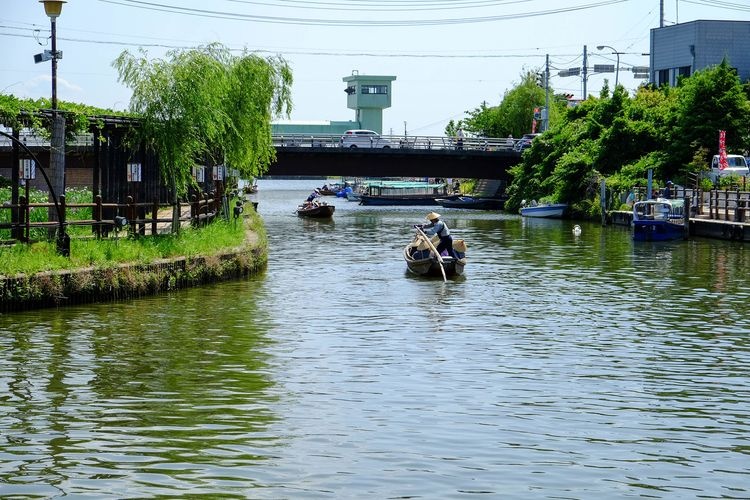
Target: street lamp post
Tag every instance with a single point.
(614, 51)
(53, 8)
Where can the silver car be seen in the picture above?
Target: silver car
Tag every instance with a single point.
(359, 138)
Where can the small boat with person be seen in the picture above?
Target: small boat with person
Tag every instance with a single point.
(422, 258)
(659, 220)
(316, 209)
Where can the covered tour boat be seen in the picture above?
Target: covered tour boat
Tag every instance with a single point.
(402, 193)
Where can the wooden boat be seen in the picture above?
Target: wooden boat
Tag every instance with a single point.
(658, 220)
(553, 210)
(316, 210)
(422, 261)
(472, 202)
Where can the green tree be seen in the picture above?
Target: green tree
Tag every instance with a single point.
(484, 121)
(514, 114)
(206, 103)
(707, 102)
(452, 128)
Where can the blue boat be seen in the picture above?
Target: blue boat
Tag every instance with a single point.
(658, 220)
(549, 210)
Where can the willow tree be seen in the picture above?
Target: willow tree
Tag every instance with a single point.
(207, 103)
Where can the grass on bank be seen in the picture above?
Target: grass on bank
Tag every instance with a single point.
(209, 240)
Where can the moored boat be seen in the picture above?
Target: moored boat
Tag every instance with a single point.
(423, 261)
(317, 210)
(658, 220)
(472, 202)
(551, 210)
(402, 193)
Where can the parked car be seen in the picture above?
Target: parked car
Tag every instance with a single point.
(736, 165)
(524, 142)
(359, 138)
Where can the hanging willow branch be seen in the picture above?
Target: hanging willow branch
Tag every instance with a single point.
(207, 102)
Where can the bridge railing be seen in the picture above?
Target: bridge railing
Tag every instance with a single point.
(325, 141)
(399, 141)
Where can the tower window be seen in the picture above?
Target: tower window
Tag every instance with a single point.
(374, 89)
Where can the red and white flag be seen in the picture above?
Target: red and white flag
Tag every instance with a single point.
(723, 150)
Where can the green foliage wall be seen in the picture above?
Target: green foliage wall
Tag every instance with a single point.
(618, 137)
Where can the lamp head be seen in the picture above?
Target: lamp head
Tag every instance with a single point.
(599, 47)
(120, 222)
(52, 8)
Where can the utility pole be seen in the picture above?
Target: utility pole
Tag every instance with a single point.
(661, 13)
(585, 72)
(545, 118)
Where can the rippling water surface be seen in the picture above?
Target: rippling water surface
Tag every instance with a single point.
(559, 366)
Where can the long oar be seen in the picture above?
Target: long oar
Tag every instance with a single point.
(432, 247)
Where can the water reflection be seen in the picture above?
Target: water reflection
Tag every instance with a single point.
(118, 391)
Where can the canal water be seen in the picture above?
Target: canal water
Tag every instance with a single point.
(559, 366)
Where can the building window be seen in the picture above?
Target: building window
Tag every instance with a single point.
(374, 89)
(683, 71)
(663, 77)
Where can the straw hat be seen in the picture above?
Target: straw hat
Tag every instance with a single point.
(432, 216)
(459, 245)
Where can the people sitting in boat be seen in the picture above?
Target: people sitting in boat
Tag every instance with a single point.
(439, 227)
(459, 249)
(421, 250)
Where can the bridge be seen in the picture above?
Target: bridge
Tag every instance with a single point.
(394, 156)
(324, 155)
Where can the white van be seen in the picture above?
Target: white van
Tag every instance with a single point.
(359, 138)
(737, 165)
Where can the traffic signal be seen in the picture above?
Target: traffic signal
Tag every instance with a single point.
(541, 80)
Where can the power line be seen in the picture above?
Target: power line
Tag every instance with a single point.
(205, 13)
(413, 55)
(743, 7)
(380, 6)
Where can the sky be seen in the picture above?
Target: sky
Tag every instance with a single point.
(448, 56)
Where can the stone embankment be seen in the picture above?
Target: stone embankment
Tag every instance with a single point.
(126, 281)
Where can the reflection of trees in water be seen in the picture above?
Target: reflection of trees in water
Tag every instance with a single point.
(177, 378)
